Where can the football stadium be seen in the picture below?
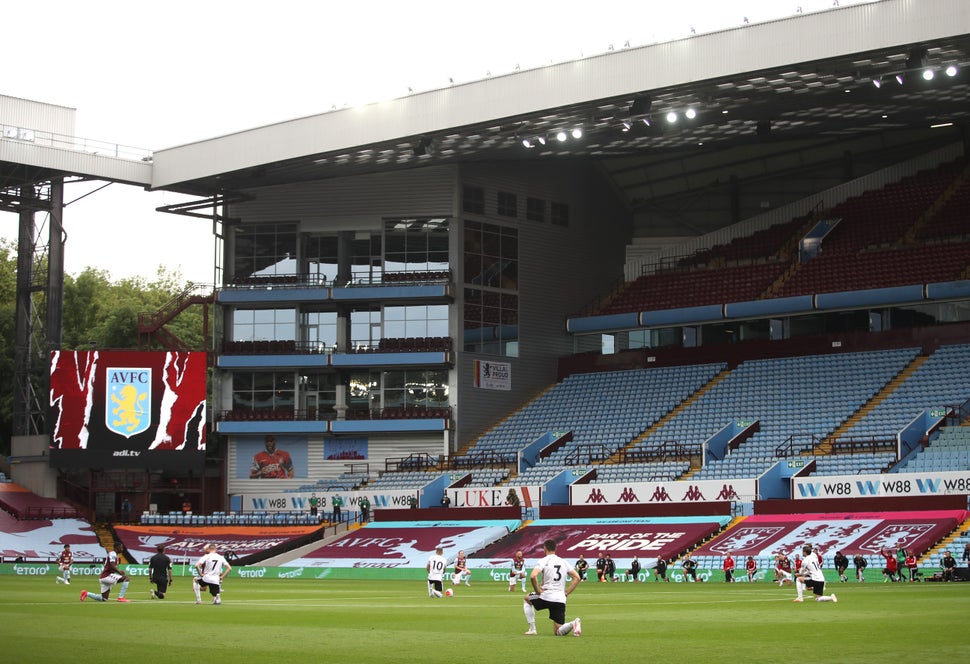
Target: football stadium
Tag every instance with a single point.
(698, 311)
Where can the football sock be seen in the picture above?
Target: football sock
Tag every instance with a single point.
(96, 597)
(530, 614)
(565, 629)
(435, 593)
(801, 588)
(196, 590)
(124, 589)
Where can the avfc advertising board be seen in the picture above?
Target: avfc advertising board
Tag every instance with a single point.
(128, 409)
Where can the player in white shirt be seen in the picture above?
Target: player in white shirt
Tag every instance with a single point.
(810, 576)
(553, 592)
(212, 568)
(436, 571)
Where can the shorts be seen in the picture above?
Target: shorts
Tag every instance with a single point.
(435, 584)
(557, 610)
(161, 583)
(214, 588)
(817, 587)
(109, 582)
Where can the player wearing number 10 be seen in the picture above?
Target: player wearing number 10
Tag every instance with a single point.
(553, 592)
(436, 571)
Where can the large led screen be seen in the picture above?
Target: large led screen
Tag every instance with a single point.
(127, 409)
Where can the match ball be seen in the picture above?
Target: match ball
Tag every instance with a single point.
(449, 592)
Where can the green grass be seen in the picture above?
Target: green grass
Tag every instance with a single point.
(274, 620)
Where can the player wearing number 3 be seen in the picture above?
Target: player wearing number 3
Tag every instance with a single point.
(552, 593)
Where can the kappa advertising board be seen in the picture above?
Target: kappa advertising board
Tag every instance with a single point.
(882, 486)
(128, 409)
(632, 493)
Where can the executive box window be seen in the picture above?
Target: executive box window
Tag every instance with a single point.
(422, 388)
(264, 250)
(264, 325)
(507, 204)
(416, 245)
(262, 390)
(366, 259)
(321, 253)
(416, 321)
(318, 330)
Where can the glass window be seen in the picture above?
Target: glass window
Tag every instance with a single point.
(473, 200)
(264, 325)
(264, 250)
(559, 214)
(262, 390)
(535, 209)
(416, 321)
(318, 330)
(321, 256)
(491, 284)
(416, 245)
(507, 204)
(415, 388)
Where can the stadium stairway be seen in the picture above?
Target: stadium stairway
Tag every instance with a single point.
(936, 552)
(677, 410)
(911, 236)
(826, 446)
(283, 558)
(463, 450)
(106, 537)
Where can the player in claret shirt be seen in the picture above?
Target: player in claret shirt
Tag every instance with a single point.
(64, 562)
(271, 463)
(110, 577)
(517, 571)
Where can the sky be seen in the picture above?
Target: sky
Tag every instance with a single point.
(153, 76)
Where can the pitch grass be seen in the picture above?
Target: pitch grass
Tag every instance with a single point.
(273, 620)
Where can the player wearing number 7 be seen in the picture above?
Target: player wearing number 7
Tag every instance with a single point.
(553, 592)
(212, 569)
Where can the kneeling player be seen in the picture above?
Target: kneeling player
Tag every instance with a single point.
(212, 569)
(517, 571)
(810, 576)
(461, 570)
(552, 592)
(109, 578)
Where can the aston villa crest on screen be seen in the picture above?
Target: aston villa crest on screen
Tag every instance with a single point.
(128, 409)
(130, 392)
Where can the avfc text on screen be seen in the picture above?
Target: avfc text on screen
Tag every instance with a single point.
(128, 409)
